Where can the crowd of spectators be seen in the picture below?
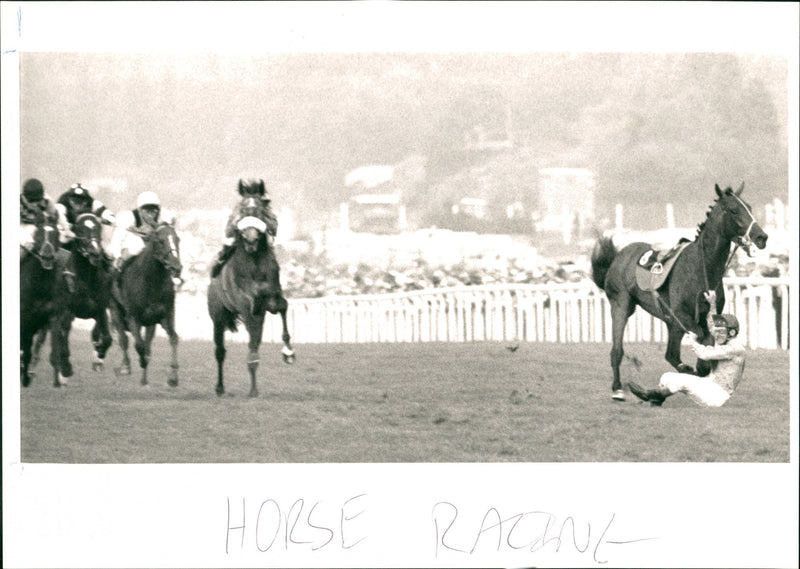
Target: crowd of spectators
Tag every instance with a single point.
(305, 274)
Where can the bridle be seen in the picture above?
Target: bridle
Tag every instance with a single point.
(47, 252)
(171, 250)
(88, 245)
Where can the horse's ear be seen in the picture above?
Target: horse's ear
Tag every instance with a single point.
(241, 188)
(261, 187)
(740, 190)
(716, 189)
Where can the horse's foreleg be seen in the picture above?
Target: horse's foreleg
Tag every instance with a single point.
(122, 339)
(60, 327)
(143, 348)
(219, 353)
(101, 339)
(287, 351)
(255, 327)
(26, 339)
(620, 312)
(673, 353)
(36, 347)
(169, 327)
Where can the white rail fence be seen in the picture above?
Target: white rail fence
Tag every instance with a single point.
(568, 312)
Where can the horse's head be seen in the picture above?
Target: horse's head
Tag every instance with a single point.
(737, 221)
(46, 244)
(88, 235)
(166, 248)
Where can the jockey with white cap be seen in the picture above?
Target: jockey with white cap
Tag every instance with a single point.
(134, 225)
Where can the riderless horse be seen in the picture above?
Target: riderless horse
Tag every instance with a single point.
(39, 295)
(87, 297)
(246, 288)
(144, 296)
(679, 301)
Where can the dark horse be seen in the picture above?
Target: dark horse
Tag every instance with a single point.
(144, 296)
(89, 298)
(679, 302)
(245, 289)
(38, 293)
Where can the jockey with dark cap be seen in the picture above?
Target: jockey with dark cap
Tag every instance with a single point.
(76, 201)
(251, 189)
(36, 207)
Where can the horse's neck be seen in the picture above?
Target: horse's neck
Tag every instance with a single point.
(715, 250)
(147, 261)
(256, 265)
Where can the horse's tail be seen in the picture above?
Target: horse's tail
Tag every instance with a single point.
(602, 256)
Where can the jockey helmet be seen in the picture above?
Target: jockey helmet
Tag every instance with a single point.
(33, 190)
(728, 321)
(148, 198)
(78, 195)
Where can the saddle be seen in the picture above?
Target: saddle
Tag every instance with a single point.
(653, 267)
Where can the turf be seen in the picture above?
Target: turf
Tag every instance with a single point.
(437, 402)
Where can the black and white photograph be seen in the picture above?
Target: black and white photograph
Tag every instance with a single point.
(328, 284)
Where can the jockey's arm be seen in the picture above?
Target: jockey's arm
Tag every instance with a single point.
(106, 215)
(711, 298)
(59, 211)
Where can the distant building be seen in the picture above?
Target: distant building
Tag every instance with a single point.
(471, 207)
(378, 206)
(374, 213)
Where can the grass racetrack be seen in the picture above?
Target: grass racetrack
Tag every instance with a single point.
(426, 402)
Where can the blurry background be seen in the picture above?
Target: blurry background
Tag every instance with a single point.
(548, 148)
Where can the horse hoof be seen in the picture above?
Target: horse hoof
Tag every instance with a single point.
(26, 381)
(220, 390)
(123, 370)
(172, 382)
(97, 366)
(253, 393)
(618, 395)
(288, 359)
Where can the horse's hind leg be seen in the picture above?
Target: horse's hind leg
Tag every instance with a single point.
(287, 351)
(169, 327)
(621, 310)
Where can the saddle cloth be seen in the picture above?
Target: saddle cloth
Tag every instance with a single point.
(654, 267)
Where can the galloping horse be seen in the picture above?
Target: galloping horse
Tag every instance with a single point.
(247, 287)
(38, 293)
(679, 302)
(89, 298)
(145, 296)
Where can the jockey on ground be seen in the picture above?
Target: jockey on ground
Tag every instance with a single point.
(134, 226)
(253, 189)
(76, 201)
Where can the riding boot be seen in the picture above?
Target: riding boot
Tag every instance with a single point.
(221, 258)
(655, 396)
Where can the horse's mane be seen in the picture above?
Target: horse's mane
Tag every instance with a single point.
(702, 224)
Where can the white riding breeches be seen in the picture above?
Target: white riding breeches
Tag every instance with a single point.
(27, 231)
(125, 244)
(703, 390)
